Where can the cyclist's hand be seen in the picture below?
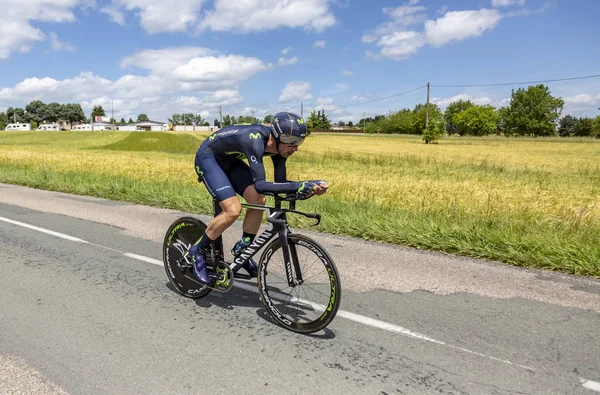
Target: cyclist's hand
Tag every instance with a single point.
(320, 187)
(305, 190)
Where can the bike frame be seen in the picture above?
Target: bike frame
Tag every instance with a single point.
(276, 216)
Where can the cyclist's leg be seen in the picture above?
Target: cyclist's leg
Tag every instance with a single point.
(241, 178)
(219, 186)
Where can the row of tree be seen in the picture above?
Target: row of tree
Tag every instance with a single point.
(532, 112)
(37, 112)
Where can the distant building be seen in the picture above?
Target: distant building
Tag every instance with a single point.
(144, 126)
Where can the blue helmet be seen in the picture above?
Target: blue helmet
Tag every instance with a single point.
(288, 128)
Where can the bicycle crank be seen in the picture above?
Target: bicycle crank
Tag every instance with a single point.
(223, 278)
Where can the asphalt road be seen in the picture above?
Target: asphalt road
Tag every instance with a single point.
(86, 308)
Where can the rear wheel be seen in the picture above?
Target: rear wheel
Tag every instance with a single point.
(179, 238)
(308, 305)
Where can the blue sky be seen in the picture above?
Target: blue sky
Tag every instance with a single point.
(160, 57)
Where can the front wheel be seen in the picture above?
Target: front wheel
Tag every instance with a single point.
(182, 234)
(313, 299)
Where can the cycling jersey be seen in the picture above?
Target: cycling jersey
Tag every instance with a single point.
(220, 162)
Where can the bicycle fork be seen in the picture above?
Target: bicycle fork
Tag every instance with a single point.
(290, 257)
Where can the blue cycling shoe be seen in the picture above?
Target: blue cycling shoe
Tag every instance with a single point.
(250, 266)
(199, 264)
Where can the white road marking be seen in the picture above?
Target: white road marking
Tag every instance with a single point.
(143, 258)
(50, 232)
(591, 385)
(341, 313)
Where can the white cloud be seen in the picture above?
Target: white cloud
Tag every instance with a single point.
(401, 19)
(460, 25)
(58, 45)
(347, 73)
(445, 102)
(263, 15)
(505, 3)
(398, 41)
(319, 44)
(197, 68)
(583, 104)
(287, 61)
(332, 110)
(286, 50)
(295, 90)
(158, 16)
(400, 45)
(212, 76)
(114, 14)
(16, 32)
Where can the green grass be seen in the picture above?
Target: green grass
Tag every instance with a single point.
(527, 202)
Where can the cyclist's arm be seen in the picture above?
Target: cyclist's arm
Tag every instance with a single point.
(279, 170)
(255, 154)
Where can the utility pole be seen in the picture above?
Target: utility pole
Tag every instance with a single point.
(221, 114)
(113, 114)
(302, 110)
(427, 109)
(364, 123)
(252, 115)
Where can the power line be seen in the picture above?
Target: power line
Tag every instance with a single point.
(516, 83)
(381, 98)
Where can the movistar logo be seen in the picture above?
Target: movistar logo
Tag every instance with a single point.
(254, 136)
(212, 137)
(300, 121)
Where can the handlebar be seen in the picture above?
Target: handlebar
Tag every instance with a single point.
(292, 198)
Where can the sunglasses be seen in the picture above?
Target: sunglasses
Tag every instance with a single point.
(292, 141)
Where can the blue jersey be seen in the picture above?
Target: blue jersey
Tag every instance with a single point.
(249, 142)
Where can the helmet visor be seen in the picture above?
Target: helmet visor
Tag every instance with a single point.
(292, 141)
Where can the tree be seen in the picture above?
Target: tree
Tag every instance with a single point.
(533, 111)
(122, 121)
(566, 124)
(583, 127)
(434, 131)
(216, 122)
(142, 117)
(476, 121)
(97, 111)
(318, 121)
(350, 124)
(596, 127)
(341, 123)
(419, 115)
(199, 120)
(130, 121)
(3, 121)
(15, 115)
(72, 112)
(268, 118)
(34, 111)
(53, 112)
(452, 111)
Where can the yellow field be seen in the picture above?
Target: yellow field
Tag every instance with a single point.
(495, 194)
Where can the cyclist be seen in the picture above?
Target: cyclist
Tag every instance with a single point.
(220, 165)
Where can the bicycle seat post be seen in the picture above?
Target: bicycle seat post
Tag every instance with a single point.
(216, 208)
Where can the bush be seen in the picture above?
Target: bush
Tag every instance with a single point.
(433, 132)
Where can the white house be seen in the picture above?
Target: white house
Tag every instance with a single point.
(145, 126)
(18, 126)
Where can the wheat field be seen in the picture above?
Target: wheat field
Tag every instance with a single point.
(528, 202)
